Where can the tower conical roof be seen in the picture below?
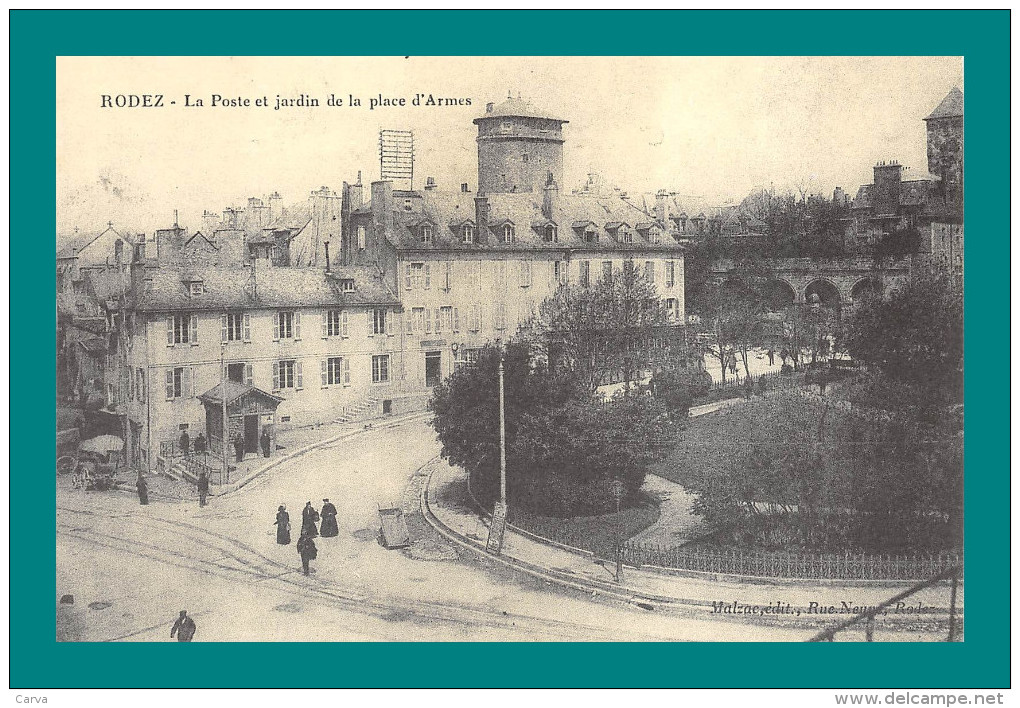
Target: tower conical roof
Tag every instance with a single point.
(951, 106)
(517, 108)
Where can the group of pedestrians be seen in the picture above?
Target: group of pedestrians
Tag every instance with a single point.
(310, 517)
(200, 445)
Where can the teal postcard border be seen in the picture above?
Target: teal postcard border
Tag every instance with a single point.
(981, 37)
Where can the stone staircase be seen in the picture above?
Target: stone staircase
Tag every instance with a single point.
(359, 410)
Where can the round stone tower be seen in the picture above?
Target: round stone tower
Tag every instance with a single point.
(518, 147)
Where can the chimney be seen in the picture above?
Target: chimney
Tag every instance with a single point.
(274, 205)
(382, 212)
(175, 218)
(326, 245)
(662, 207)
(464, 187)
(489, 107)
(550, 198)
(482, 217)
(430, 183)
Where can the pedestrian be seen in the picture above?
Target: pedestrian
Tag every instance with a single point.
(282, 525)
(329, 528)
(184, 442)
(748, 387)
(306, 547)
(772, 357)
(203, 488)
(309, 517)
(264, 441)
(200, 444)
(184, 628)
(239, 447)
(143, 491)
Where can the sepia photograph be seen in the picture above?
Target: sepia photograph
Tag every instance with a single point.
(509, 349)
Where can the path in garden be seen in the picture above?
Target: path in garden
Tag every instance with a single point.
(677, 522)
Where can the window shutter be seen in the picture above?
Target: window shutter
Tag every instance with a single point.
(390, 316)
(194, 330)
(170, 331)
(407, 276)
(456, 319)
(297, 375)
(346, 364)
(247, 374)
(188, 383)
(322, 371)
(343, 323)
(325, 322)
(169, 384)
(449, 275)
(223, 329)
(276, 376)
(428, 276)
(297, 325)
(428, 320)
(409, 321)
(438, 312)
(276, 326)
(247, 328)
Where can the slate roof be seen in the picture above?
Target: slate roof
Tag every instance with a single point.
(449, 210)
(517, 108)
(950, 107)
(231, 288)
(912, 193)
(234, 391)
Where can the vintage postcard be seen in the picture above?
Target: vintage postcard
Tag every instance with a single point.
(510, 349)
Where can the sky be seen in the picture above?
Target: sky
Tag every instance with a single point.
(710, 128)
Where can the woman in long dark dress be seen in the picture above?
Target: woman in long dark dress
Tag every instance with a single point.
(309, 517)
(282, 526)
(328, 529)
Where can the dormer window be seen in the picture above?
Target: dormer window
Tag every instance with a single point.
(467, 233)
(407, 205)
(591, 235)
(654, 234)
(625, 235)
(508, 233)
(196, 288)
(506, 127)
(550, 233)
(426, 233)
(347, 285)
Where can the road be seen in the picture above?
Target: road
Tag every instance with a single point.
(131, 568)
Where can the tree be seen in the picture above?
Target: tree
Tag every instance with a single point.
(596, 335)
(563, 451)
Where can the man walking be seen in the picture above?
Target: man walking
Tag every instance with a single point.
(306, 547)
(264, 442)
(239, 448)
(200, 444)
(772, 357)
(203, 488)
(185, 442)
(184, 628)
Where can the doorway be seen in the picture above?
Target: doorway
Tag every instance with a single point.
(251, 433)
(433, 368)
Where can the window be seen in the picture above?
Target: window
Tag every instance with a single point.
(287, 374)
(331, 323)
(141, 385)
(361, 238)
(181, 329)
(476, 318)
(179, 382)
(465, 357)
(196, 288)
(524, 273)
(418, 276)
(560, 272)
(584, 276)
(653, 234)
(426, 233)
(524, 157)
(670, 274)
(628, 267)
(673, 308)
(650, 271)
(467, 234)
(347, 285)
(445, 321)
(474, 273)
(607, 271)
(550, 233)
(447, 276)
(508, 233)
(286, 325)
(506, 127)
(379, 321)
(380, 368)
(336, 371)
(591, 234)
(625, 235)
(499, 316)
(235, 327)
(500, 276)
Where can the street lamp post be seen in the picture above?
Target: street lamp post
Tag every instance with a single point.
(494, 545)
(225, 477)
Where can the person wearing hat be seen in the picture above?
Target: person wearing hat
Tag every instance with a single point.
(328, 529)
(143, 490)
(282, 525)
(184, 628)
(306, 547)
(309, 517)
